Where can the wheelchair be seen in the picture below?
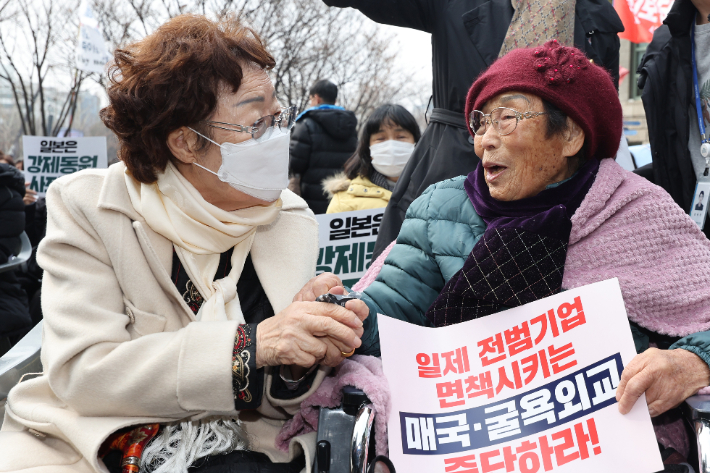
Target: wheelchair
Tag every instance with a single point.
(345, 438)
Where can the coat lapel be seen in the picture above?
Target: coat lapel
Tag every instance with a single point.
(158, 251)
(487, 26)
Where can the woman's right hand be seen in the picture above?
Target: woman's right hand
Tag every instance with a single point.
(309, 333)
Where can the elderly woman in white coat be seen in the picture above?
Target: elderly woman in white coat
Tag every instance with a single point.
(170, 278)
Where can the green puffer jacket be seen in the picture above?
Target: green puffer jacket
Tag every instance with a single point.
(440, 230)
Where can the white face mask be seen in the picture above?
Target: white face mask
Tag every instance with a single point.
(257, 168)
(390, 157)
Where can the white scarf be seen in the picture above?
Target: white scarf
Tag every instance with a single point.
(200, 233)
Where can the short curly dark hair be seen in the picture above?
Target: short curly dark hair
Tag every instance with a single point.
(171, 79)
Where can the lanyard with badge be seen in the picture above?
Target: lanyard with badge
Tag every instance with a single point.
(698, 209)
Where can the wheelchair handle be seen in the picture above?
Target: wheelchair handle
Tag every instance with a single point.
(361, 439)
(323, 456)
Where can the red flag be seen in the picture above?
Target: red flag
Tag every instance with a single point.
(641, 18)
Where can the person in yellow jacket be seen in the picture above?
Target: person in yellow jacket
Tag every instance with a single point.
(386, 143)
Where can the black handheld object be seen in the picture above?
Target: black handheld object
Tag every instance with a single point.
(336, 299)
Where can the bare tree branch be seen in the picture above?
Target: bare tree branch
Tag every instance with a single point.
(37, 40)
(309, 41)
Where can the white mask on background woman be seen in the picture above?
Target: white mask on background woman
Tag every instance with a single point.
(257, 168)
(390, 157)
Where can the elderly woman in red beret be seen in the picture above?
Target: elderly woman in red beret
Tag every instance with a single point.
(548, 209)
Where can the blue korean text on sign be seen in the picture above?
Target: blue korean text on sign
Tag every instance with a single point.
(554, 404)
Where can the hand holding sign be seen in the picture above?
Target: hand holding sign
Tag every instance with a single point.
(668, 377)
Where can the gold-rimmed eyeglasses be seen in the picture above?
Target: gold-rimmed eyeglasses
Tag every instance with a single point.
(504, 120)
(262, 128)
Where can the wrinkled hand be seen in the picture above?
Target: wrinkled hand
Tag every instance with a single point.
(316, 286)
(308, 333)
(668, 377)
(30, 195)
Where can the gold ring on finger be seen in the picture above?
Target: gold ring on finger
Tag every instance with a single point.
(349, 354)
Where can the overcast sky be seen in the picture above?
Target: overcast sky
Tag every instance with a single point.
(415, 49)
(414, 58)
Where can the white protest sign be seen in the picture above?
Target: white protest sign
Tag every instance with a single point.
(346, 241)
(528, 390)
(49, 157)
(91, 52)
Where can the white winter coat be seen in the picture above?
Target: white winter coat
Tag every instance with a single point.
(121, 347)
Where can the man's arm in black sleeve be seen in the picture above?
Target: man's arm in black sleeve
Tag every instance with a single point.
(416, 14)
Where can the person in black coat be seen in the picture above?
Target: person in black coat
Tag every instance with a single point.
(666, 80)
(14, 308)
(467, 36)
(323, 138)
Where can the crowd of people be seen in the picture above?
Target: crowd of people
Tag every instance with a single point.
(181, 328)
(333, 169)
(20, 212)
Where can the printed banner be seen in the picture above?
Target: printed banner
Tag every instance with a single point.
(91, 52)
(641, 18)
(49, 157)
(531, 389)
(347, 240)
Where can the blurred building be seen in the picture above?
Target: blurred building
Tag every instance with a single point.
(86, 116)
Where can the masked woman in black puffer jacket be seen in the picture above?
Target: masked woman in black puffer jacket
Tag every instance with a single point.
(15, 319)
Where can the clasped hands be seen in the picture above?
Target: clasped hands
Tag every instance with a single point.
(307, 333)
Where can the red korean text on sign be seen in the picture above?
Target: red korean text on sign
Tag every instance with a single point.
(455, 361)
(513, 376)
(452, 389)
(565, 312)
(519, 338)
(426, 371)
(533, 455)
(492, 350)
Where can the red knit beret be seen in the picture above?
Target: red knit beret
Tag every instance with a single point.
(564, 77)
